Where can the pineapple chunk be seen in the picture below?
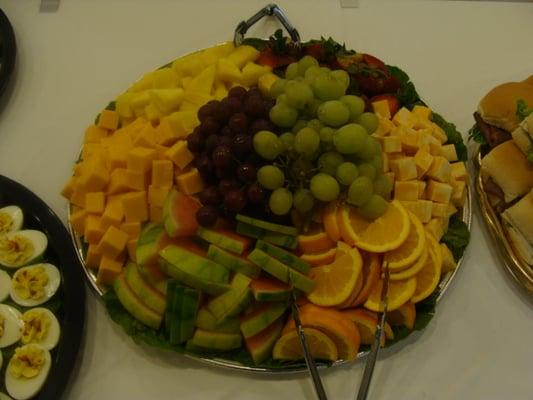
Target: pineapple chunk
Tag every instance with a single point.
(228, 71)
(243, 55)
(203, 82)
(266, 81)
(167, 100)
(164, 78)
(252, 72)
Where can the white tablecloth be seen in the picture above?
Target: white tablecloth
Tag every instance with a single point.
(73, 61)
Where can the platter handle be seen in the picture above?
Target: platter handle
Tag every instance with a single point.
(267, 11)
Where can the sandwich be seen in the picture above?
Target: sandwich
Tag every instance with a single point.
(518, 220)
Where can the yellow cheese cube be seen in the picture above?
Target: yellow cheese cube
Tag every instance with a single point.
(145, 137)
(180, 154)
(132, 250)
(392, 144)
(421, 189)
(440, 209)
(156, 214)
(164, 78)
(140, 159)
(422, 112)
(190, 182)
(132, 229)
(93, 256)
(136, 180)
(448, 152)
(436, 228)
(93, 134)
(440, 169)
(95, 202)
(251, 73)
(167, 100)
(113, 214)
(406, 190)
(459, 171)
(404, 117)
(135, 206)
(420, 208)
(458, 196)
(451, 210)
(265, 82)
(118, 182)
(113, 242)
(439, 134)
(410, 141)
(439, 192)
(242, 55)
(381, 108)
(162, 173)
(448, 262)
(108, 119)
(93, 230)
(404, 168)
(434, 146)
(109, 270)
(424, 138)
(423, 161)
(77, 221)
(157, 195)
(384, 128)
(386, 162)
(69, 187)
(227, 71)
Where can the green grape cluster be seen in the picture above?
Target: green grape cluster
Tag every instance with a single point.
(326, 150)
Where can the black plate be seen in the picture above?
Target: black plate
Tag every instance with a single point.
(37, 215)
(8, 51)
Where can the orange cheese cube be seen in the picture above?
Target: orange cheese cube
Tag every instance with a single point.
(95, 202)
(439, 192)
(109, 270)
(113, 242)
(93, 256)
(190, 182)
(91, 149)
(157, 195)
(77, 221)
(113, 214)
(93, 230)
(423, 161)
(404, 168)
(439, 209)
(140, 159)
(145, 137)
(161, 152)
(167, 133)
(93, 134)
(136, 180)
(118, 182)
(133, 229)
(135, 206)
(132, 250)
(458, 193)
(118, 157)
(180, 154)
(162, 173)
(95, 177)
(459, 171)
(448, 152)
(421, 189)
(392, 144)
(108, 119)
(156, 214)
(440, 169)
(420, 208)
(381, 108)
(404, 117)
(435, 228)
(78, 196)
(406, 190)
(422, 112)
(68, 189)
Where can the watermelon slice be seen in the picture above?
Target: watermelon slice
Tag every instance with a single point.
(266, 288)
(260, 346)
(179, 214)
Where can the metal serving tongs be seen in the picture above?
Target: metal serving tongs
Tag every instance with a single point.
(309, 361)
(374, 349)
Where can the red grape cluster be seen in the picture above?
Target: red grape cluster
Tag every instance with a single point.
(224, 153)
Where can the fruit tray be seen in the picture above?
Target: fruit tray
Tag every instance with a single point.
(332, 204)
(515, 265)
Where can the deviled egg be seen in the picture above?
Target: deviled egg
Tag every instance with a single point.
(10, 325)
(5, 284)
(11, 219)
(27, 371)
(35, 284)
(18, 248)
(5, 397)
(40, 327)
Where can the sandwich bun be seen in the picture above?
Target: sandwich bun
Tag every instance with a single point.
(519, 224)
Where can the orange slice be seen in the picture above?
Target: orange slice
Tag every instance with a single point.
(335, 282)
(404, 315)
(316, 259)
(315, 243)
(335, 325)
(355, 292)
(383, 234)
(413, 269)
(329, 219)
(371, 273)
(366, 322)
(399, 293)
(411, 249)
(427, 278)
(433, 244)
(320, 345)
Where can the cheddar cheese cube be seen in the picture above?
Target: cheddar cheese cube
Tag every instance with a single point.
(420, 208)
(139, 102)
(131, 246)
(180, 154)
(77, 221)
(190, 182)
(404, 117)
(410, 139)
(448, 152)
(171, 128)
(94, 133)
(109, 270)
(69, 187)
(78, 195)
(118, 182)
(145, 137)
(434, 146)
(95, 202)
(135, 206)
(439, 192)
(439, 209)
(423, 161)
(458, 196)
(108, 119)
(93, 256)
(95, 177)
(118, 156)
(381, 108)
(406, 190)
(440, 169)
(392, 144)
(162, 173)
(157, 195)
(113, 242)
(459, 171)
(384, 128)
(93, 229)
(140, 159)
(451, 210)
(421, 189)
(136, 180)
(439, 134)
(404, 168)
(113, 214)
(133, 229)
(156, 214)
(422, 112)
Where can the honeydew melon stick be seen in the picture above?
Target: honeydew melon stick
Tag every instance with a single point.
(189, 307)
(206, 320)
(279, 239)
(285, 257)
(269, 226)
(233, 262)
(279, 270)
(224, 239)
(216, 340)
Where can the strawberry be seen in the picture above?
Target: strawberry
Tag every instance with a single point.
(269, 58)
(374, 62)
(394, 104)
(315, 50)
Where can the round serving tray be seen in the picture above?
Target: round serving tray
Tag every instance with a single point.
(512, 261)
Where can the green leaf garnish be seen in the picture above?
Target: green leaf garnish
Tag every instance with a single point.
(454, 136)
(457, 237)
(407, 95)
(522, 110)
(476, 135)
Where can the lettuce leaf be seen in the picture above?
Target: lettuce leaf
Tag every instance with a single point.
(457, 237)
(407, 95)
(522, 110)
(454, 136)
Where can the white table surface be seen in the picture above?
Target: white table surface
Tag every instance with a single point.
(73, 61)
